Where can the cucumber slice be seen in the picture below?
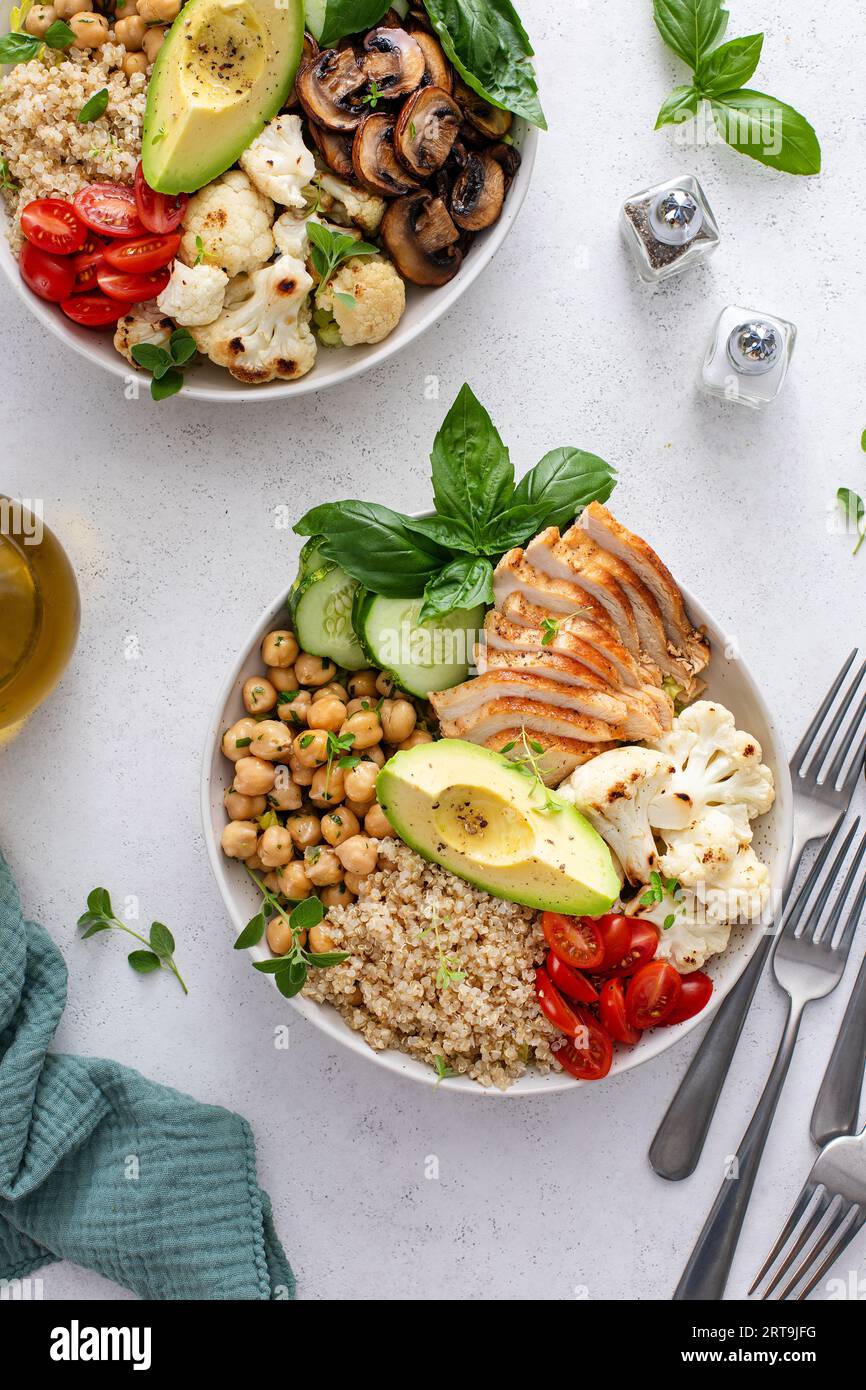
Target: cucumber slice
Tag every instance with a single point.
(321, 606)
(419, 657)
(314, 17)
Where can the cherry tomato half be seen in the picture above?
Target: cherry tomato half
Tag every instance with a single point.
(652, 994)
(611, 1008)
(143, 254)
(158, 212)
(85, 263)
(108, 208)
(93, 310)
(576, 940)
(589, 1054)
(642, 945)
(695, 992)
(615, 935)
(553, 1006)
(133, 289)
(51, 277)
(52, 224)
(568, 981)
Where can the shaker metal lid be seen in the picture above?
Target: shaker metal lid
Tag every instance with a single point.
(675, 217)
(754, 347)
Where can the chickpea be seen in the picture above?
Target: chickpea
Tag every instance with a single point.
(237, 739)
(282, 678)
(254, 776)
(271, 740)
(258, 695)
(294, 881)
(320, 941)
(384, 683)
(353, 881)
(311, 749)
(254, 863)
(398, 720)
(125, 9)
(152, 42)
(362, 683)
(65, 9)
(284, 795)
(326, 714)
(375, 755)
(280, 647)
(90, 30)
(314, 670)
(280, 936)
(416, 737)
(327, 790)
(133, 63)
(359, 809)
(336, 895)
(361, 702)
(275, 847)
(271, 881)
(332, 688)
(159, 11)
(377, 824)
(361, 781)
(295, 711)
(359, 854)
(303, 776)
(130, 32)
(39, 20)
(322, 866)
(304, 830)
(241, 807)
(364, 728)
(239, 839)
(337, 826)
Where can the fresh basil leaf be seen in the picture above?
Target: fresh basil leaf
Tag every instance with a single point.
(464, 583)
(473, 477)
(564, 482)
(767, 130)
(729, 66)
(489, 47)
(322, 959)
(59, 35)
(161, 939)
(252, 933)
(344, 17)
(447, 531)
(181, 346)
(308, 913)
(144, 962)
(677, 106)
(166, 384)
(18, 48)
(375, 546)
(690, 27)
(94, 108)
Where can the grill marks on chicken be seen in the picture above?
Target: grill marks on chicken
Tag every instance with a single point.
(587, 625)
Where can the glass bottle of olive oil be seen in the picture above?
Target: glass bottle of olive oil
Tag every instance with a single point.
(39, 613)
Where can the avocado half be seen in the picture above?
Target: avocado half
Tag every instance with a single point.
(224, 70)
(474, 812)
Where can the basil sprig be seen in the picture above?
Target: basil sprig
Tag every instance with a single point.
(755, 124)
(480, 513)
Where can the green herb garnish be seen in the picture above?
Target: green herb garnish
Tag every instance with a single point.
(449, 970)
(94, 108)
(550, 628)
(290, 970)
(374, 96)
(855, 511)
(329, 250)
(159, 954)
(162, 362)
(441, 1068)
(528, 764)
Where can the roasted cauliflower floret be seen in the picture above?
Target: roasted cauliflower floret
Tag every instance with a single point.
(144, 323)
(717, 765)
(367, 298)
(344, 203)
(614, 791)
(279, 163)
(263, 331)
(194, 295)
(228, 224)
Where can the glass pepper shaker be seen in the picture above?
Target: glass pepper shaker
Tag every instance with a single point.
(668, 228)
(748, 356)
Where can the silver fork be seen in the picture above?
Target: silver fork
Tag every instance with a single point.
(808, 965)
(820, 801)
(831, 1207)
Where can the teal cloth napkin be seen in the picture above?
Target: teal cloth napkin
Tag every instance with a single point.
(101, 1166)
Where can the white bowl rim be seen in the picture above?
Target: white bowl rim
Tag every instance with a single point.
(326, 1018)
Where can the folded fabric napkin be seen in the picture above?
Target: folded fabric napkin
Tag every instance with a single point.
(101, 1166)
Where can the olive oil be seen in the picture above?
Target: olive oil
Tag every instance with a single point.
(39, 613)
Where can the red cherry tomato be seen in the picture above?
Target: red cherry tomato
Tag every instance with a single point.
(108, 208)
(576, 940)
(569, 981)
(589, 1053)
(158, 212)
(695, 992)
(93, 310)
(652, 994)
(85, 264)
(133, 289)
(615, 935)
(553, 1006)
(642, 945)
(52, 224)
(611, 1008)
(51, 277)
(143, 254)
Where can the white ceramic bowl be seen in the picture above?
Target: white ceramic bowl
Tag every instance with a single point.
(729, 682)
(333, 365)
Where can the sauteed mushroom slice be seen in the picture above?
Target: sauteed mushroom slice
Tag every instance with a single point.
(374, 160)
(478, 193)
(421, 239)
(438, 72)
(310, 51)
(489, 120)
(390, 20)
(328, 89)
(418, 19)
(335, 147)
(393, 60)
(428, 124)
(509, 158)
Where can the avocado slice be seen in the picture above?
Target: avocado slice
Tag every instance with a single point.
(224, 70)
(475, 813)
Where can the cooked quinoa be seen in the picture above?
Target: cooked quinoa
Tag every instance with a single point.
(410, 915)
(48, 153)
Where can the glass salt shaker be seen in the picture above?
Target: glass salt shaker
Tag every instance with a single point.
(668, 228)
(748, 356)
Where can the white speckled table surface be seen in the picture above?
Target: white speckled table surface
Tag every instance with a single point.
(168, 514)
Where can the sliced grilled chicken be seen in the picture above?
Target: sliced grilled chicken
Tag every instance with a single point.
(561, 596)
(596, 646)
(544, 663)
(685, 639)
(547, 554)
(532, 715)
(462, 701)
(561, 755)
